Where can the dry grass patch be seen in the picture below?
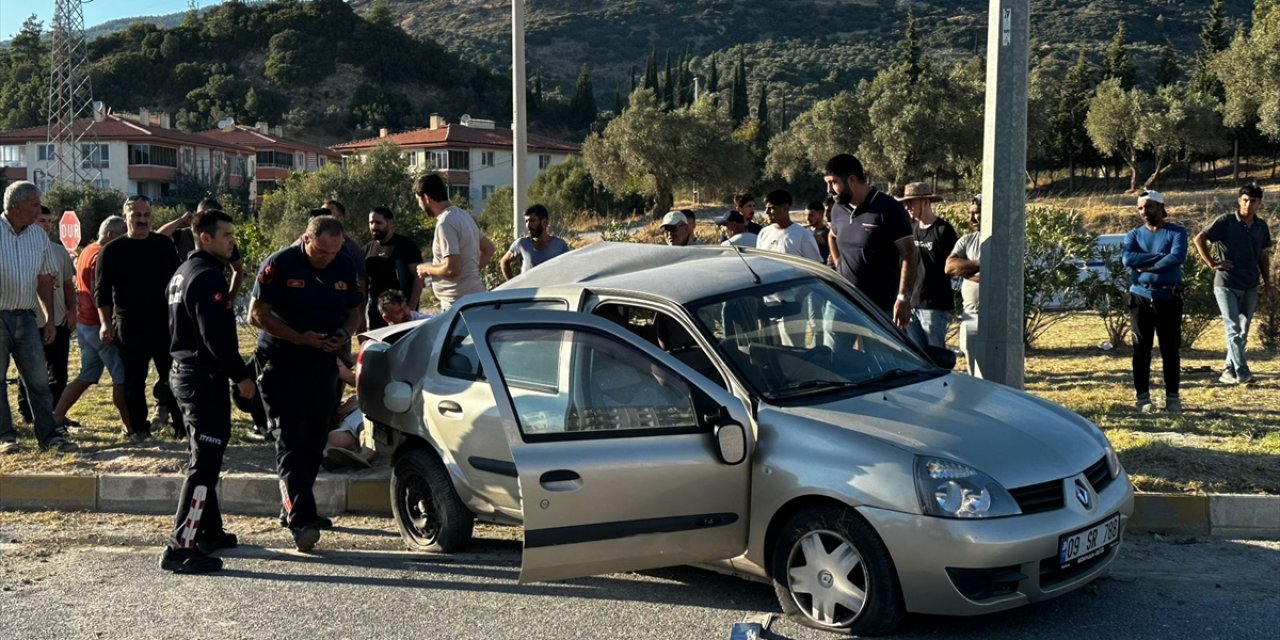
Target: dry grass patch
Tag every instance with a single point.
(1226, 440)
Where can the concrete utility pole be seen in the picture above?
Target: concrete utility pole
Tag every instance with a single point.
(998, 349)
(519, 124)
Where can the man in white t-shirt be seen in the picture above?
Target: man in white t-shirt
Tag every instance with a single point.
(783, 235)
(459, 249)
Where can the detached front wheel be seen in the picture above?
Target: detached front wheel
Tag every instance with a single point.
(427, 509)
(831, 571)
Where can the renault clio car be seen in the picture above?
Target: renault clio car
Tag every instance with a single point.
(635, 406)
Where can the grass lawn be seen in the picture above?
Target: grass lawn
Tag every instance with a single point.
(1226, 440)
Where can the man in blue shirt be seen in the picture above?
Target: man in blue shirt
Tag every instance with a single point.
(1243, 242)
(307, 302)
(1154, 253)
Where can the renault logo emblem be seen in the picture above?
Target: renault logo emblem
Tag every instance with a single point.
(1083, 495)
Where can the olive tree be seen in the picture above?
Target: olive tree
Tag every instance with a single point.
(1115, 114)
(653, 151)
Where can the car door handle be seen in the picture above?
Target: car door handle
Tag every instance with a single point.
(560, 480)
(448, 406)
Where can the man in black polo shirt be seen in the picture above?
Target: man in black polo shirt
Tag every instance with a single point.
(307, 302)
(871, 239)
(392, 263)
(1244, 259)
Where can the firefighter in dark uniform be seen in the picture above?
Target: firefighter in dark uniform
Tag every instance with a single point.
(205, 354)
(307, 303)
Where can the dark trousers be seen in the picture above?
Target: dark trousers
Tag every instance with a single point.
(206, 408)
(1149, 320)
(55, 361)
(298, 394)
(141, 343)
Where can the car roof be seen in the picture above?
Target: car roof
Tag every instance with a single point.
(680, 274)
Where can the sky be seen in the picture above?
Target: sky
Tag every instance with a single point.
(14, 12)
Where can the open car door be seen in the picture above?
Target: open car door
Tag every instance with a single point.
(627, 458)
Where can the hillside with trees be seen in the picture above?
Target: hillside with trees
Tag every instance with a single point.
(317, 67)
(805, 50)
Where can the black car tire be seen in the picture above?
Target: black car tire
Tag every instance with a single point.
(427, 509)
(882, 608)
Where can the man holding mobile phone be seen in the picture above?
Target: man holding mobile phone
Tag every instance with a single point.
(307, 302)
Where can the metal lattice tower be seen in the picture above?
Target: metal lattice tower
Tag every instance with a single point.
(70, 98)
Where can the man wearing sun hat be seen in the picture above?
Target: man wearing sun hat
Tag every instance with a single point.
(932, 302)
(1154, 253)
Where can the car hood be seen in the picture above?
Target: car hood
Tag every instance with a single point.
(1014, 437)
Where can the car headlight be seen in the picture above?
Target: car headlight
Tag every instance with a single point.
(1113, 462)
(950, 489)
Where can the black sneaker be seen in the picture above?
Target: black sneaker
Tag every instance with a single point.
(214, 541)
(305, 537)
(321, 522)
(59, 444)
(188, 561)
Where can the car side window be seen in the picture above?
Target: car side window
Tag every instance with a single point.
(458, 358)
(663, 331)
(604, 387)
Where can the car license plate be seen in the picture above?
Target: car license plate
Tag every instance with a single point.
(1077, 547)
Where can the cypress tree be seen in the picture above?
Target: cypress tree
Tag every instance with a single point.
(1213, 40)
(713, 76)
(738, 107)
(651, 74)
(583, 106)
(909, 51)
(1117, 64)
(762, 106)
(1168, 71)
(668, 86)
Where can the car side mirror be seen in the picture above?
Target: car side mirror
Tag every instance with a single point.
(941, 356)
(731, 443)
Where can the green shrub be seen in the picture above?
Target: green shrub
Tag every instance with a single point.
(1056, 245)
(1108, 295)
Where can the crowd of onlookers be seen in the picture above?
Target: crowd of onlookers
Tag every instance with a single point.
(139, 298)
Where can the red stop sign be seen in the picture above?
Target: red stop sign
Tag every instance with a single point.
(69, 230)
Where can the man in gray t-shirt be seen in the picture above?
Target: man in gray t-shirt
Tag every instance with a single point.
(965, 263)
(537, 247)
(1243, 242)
(459, 250)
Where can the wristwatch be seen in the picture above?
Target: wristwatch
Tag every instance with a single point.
(902, 297)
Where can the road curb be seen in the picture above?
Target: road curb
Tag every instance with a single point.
(367, 492)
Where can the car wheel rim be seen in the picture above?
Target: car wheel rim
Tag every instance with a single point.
(419, 510)
(827, 578)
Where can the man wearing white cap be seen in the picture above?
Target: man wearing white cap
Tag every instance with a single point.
(676, 229)
(1154, 253)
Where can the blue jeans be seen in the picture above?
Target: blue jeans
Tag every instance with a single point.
(21, 338)
(929, 327)
(1237, 307)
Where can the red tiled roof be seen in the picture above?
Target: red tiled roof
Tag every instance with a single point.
(456, 135)
(116, 128)
(251, 138)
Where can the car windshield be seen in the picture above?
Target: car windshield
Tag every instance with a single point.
(806, 337)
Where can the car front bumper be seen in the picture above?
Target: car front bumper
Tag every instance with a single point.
(971, 567)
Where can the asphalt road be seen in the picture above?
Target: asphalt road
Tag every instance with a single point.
(101, 585)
